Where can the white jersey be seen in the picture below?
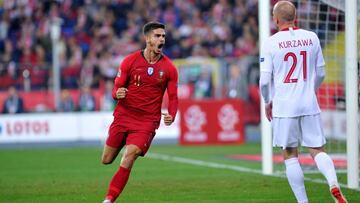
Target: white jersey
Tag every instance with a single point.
(292, 56)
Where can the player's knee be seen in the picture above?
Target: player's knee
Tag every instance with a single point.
(128, 161)
(315, 151)
(106, 159)
(131, 154)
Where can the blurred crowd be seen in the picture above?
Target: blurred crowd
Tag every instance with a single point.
(97, 34)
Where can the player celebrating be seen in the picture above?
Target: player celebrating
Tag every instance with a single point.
(139, 88)
(292, 59)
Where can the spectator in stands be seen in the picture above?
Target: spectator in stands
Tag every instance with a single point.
(107, 101)
(203, 85)
(7, 51)
(89, 74)
(237, 86)
(66, 103)
(13, 103)
(107, 69)
(87, 100)
(96, 34)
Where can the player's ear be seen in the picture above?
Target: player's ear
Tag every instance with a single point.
(146, 38)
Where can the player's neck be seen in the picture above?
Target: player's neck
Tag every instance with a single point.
(286, 26)
(150, 56)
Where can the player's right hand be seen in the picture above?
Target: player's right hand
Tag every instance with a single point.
(268, 111)
(121, 93)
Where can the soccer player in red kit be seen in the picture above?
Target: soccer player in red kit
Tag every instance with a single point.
(139, 87)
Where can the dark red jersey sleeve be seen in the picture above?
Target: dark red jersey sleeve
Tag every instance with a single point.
(122, 76)
(172, 91)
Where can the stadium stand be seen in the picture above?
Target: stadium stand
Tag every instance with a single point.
(97, 34)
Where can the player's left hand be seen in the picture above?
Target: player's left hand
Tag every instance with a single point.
(268, 111)
(168, 119)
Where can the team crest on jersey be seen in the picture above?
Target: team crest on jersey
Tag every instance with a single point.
(150, 70)
(119, 73)
(161, 74)
(262, 59)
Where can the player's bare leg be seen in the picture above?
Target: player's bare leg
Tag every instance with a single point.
(295, 174)
(132, 152)
(119, 180)
(327, 168)
(290, 152)
(109, 154)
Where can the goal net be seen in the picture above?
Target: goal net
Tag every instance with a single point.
(327, 19)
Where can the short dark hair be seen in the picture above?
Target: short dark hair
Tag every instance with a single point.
(152, 26)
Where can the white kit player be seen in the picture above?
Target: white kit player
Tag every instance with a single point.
(292, 69)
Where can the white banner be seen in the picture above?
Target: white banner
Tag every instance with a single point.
(57, 127)
(93, 126)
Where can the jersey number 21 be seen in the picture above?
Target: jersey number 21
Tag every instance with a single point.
(289, 78)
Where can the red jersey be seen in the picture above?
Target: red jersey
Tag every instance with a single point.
(146, 84)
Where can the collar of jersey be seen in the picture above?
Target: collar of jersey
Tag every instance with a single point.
(143, 55)
(287, 29)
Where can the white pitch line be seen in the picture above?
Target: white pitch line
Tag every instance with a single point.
(229, 167)
(338, 171)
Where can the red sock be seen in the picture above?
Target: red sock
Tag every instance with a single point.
(118, 183)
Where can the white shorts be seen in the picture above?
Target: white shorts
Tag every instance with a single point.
(289, 132)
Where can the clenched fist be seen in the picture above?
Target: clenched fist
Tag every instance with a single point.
(121, 93)
(168, 119)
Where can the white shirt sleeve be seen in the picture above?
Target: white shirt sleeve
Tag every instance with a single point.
(265, 86)
(320, 75)
(266, 69)
(319, 55)
(266, 63)
(320, 66)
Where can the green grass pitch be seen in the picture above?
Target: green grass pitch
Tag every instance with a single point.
(55, 175)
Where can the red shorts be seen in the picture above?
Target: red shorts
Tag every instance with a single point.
(124, 132)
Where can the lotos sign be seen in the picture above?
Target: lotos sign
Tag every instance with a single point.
(211, 122)
(26, 127)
